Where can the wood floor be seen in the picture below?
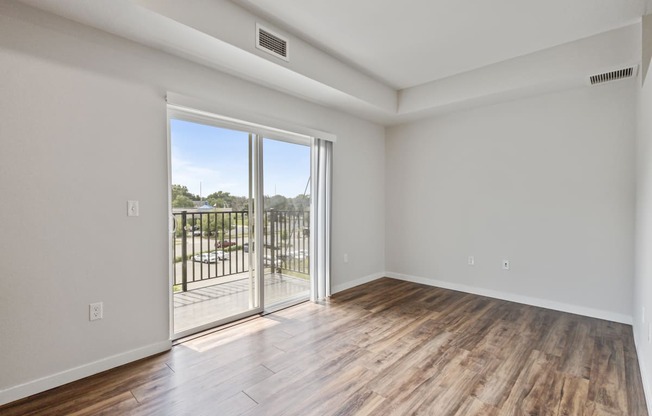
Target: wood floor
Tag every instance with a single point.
(384, 348)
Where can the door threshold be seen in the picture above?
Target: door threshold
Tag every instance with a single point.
(285, 304)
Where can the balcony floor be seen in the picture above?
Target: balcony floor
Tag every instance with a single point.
(221, 300)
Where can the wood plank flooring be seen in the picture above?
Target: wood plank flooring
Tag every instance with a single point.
(384, 348)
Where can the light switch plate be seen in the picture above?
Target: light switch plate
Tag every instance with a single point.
(132, 208)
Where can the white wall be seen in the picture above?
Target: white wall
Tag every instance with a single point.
(82, 130)
(546, 182)
(642, 310)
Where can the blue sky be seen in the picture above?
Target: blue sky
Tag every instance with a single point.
(218, 159)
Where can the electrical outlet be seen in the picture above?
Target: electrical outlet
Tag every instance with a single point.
(346, 258)
(96, 311)
(471, 261)
(505, 264)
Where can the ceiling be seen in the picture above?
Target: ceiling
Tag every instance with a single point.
(386, 61)
(412, 42)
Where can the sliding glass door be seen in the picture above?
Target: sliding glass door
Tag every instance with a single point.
(286, 204)
(232, 256)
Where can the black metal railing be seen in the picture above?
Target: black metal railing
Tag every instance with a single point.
(214, 244)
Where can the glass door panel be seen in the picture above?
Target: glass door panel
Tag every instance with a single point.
(286, 222)
(214, 278)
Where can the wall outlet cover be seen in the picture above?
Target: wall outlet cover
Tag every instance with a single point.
(96, 311)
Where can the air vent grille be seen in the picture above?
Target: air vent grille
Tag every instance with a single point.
(612, 76)
(272, 43)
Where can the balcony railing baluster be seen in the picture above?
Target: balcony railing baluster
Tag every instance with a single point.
(285, 244)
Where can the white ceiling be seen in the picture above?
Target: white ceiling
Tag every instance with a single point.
(411, 42)
(386, 61)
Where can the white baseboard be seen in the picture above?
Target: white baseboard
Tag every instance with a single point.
(357, 282)
(513, 297)
(644, 375)
(55, 380)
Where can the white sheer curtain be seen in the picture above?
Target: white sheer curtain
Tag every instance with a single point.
(320, 220)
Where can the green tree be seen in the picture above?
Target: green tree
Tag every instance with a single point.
(214, 224)
(240, 203)
(182, 201)
(220, 199)
(277, 202)
(301, 203)
(182, 190)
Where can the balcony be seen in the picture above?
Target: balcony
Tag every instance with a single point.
(213, 251)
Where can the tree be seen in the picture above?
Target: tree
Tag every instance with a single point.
(220, 199)
(240, 203)
(219, 224)
(301, 203)
(182, 201)
(181, 190)
(277, 202)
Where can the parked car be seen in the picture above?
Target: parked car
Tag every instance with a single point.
(211, 257)
(224, 244)
(206, 257)
(221, 255)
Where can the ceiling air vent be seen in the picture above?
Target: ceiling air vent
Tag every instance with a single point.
(613, 75)
(271, 42)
